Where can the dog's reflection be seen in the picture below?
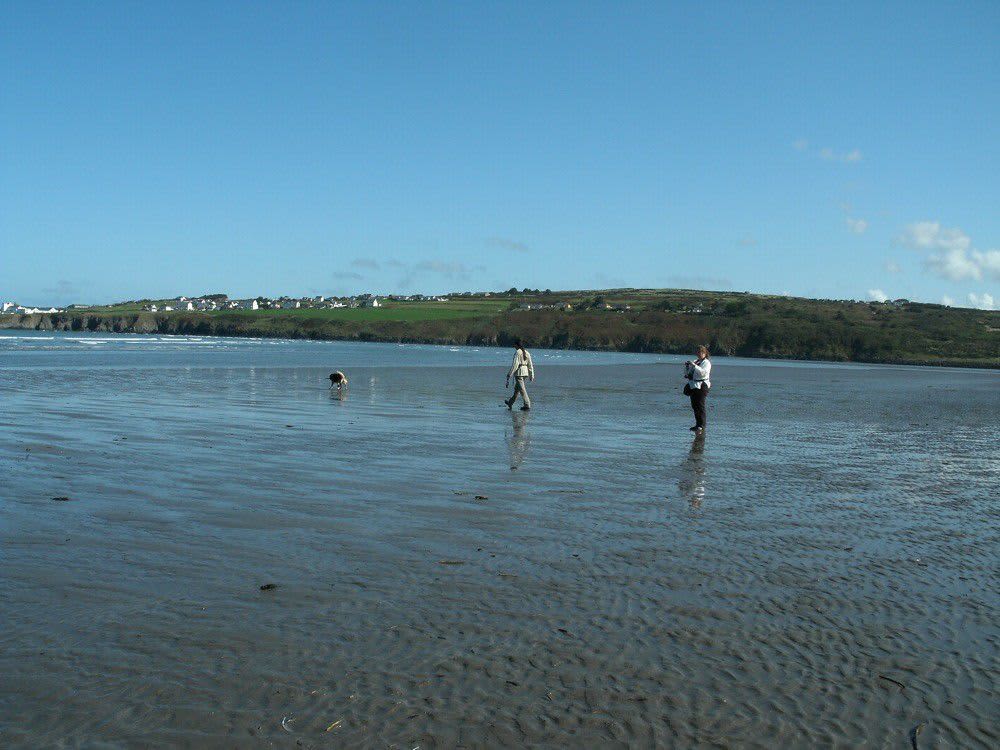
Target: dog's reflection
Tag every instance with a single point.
(518, 438)
(692, 480)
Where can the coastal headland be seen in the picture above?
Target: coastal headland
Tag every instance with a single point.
(633, 320)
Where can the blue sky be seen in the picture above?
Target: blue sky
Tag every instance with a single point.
(842, 150)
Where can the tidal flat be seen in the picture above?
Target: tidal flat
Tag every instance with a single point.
(201, 545)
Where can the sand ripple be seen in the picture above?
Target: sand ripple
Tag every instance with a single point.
(821, 571)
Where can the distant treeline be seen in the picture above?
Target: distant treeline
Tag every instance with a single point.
(729, 324)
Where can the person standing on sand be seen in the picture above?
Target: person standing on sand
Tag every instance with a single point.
(697, 374)
(520, 369)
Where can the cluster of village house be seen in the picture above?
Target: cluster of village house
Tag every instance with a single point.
(567, 306)
(363, 300)
(15, 309)
(283, 303)
(220, 302)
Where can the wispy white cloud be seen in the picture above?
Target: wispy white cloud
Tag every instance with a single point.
(443, 269)
(451, 269)
(892, 266)
(930, 235)
(982, 301)
(505, 243)
(369, 263)
(858, 226)
(847, 157)
(347, 276)
(748, 240)
(62, 290)
(877, 295)
(951, 255)
(955, 265)
(826, 153)
(989, 261)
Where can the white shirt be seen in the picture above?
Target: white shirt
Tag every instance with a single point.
(699, 372)
(522, 366)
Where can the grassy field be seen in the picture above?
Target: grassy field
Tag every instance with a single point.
(391, 311)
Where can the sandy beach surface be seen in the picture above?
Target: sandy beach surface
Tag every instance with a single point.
(821, 570)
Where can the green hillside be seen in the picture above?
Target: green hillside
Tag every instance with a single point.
(730, 323)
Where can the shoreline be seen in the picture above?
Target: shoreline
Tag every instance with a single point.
(395, 332)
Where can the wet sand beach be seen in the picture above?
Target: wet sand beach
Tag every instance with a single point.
(819, 570)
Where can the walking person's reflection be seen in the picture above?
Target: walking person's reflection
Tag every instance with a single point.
(692, 480)
(518, 438)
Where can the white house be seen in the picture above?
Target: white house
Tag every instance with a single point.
(371, 302)
(249, 304)
(292, 304)
(168, 308)
(9, 306)
(32, 310)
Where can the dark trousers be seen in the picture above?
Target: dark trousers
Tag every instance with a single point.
(698, 396)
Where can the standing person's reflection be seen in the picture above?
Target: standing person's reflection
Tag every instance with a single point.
(518, 439)
(692, 481)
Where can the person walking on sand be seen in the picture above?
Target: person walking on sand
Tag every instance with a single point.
(520, 369)
(697, 374)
